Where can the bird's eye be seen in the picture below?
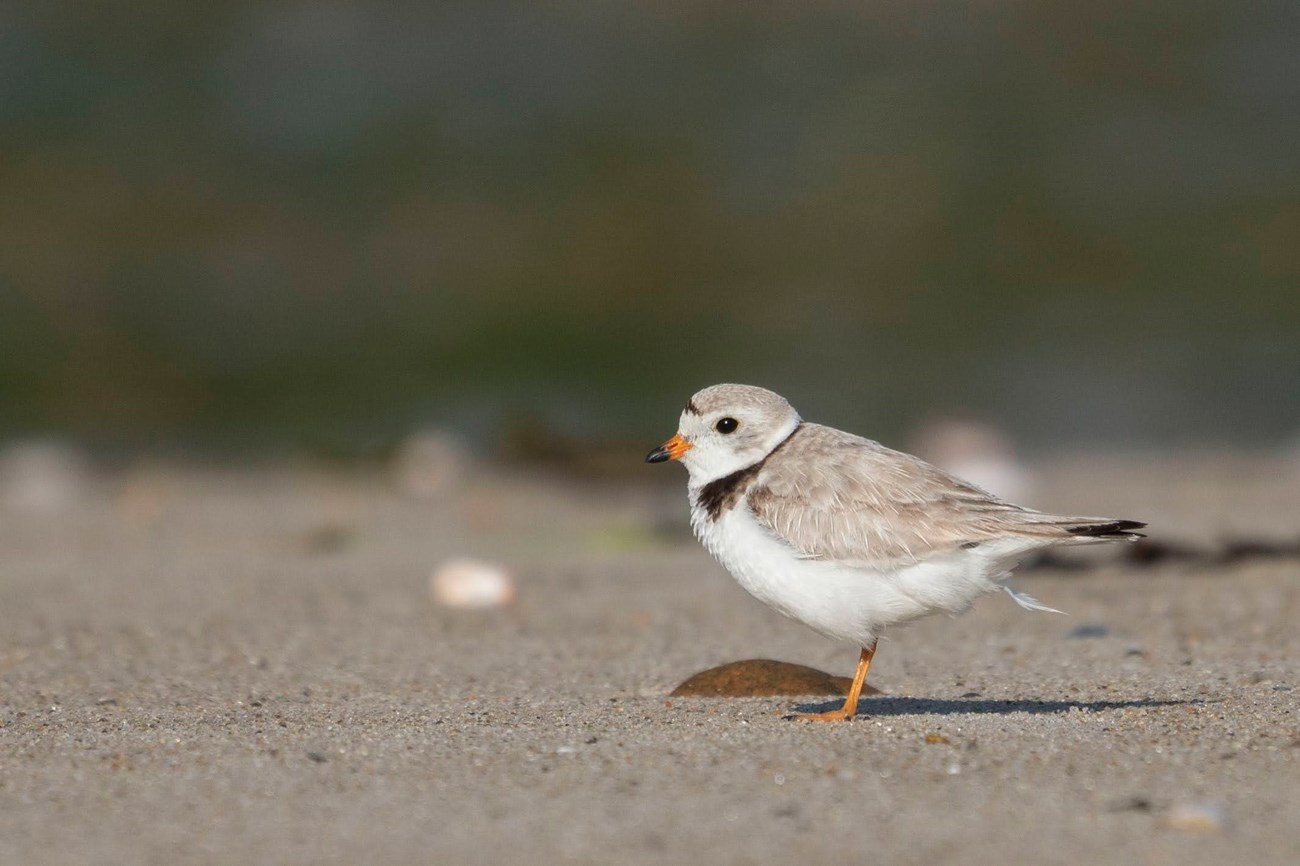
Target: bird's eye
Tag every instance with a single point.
(726, 425)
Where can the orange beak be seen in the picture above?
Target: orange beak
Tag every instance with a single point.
(673, 449)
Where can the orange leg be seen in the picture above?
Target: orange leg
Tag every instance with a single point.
(850, 707)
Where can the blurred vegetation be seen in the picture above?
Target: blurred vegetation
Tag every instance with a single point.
(243, 225)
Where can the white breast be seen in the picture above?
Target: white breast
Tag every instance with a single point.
(841, 602)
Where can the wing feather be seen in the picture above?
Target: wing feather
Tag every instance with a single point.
(839, 497)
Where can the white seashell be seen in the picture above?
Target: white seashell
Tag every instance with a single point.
(471, 584)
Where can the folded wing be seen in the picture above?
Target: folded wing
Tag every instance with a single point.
(835, 496)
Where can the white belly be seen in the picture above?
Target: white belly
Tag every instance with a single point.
(841, 602)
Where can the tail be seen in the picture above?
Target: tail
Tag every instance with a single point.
(1049, 529)
(1074, 530)
(1103, 529)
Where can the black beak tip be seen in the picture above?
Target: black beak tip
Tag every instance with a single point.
(659, 455)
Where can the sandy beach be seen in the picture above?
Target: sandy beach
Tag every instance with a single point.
(222, 666)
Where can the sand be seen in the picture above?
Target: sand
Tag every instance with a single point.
(202, 666)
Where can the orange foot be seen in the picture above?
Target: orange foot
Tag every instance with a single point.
(843, 714)
(850, 708)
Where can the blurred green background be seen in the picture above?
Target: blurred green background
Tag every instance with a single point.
(249, 226)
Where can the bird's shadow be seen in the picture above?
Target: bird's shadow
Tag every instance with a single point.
(887, 706)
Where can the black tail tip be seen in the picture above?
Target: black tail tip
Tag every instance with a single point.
(1112, 529)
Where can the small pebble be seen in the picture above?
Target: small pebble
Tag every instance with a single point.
(1197, 818)
(1136, 803)
(471, 584)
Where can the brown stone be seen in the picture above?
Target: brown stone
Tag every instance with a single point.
(761, 678)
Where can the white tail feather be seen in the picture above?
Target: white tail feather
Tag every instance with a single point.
(1028, 602)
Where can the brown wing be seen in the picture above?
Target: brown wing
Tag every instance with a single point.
(836, 496)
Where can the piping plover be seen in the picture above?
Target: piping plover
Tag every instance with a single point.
(843, 534)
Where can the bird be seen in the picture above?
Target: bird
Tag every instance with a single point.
(844, 534)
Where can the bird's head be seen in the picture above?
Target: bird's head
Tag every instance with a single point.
(725, 428)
